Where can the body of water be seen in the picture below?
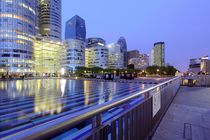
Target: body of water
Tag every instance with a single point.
(27, 103)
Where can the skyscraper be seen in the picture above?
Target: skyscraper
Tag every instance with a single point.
(47, 45)
(116, 56)
(96, 53)
(17, 31)
(158, 54)
(50, 19)
(123, 44)
(75, 36)
(76, 29)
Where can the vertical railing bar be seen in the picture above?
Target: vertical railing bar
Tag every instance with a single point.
(113, 130)
(120, 128)
(126, 130)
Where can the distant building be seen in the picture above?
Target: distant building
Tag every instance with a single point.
(141, 62)
(205, 65)
(194, 66)
(132, 54)
(96, 53)
(123, 44)
(199, 65)
(158, 54)
(116, 56)
(75, 36)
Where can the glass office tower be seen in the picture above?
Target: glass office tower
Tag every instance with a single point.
(50, 19)
(17, 31)
(76, 29)
(123, 44)
(116, 56)
(158, 54)
(96, 53)
(75, 36)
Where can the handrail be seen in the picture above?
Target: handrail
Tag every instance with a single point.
(53, 127)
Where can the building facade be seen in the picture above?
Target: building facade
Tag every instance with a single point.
(123, 44)
(141, 62)
(96, 53)
(76, 29)
(49, 19)
(132, 54)
(17, 31)
(47, 57)
(116, 56)
(75, 37)
(205, 65)
(158, 54)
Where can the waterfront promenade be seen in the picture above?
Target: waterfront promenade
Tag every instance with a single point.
(188, 117)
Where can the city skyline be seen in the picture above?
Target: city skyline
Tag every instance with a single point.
(179, 25)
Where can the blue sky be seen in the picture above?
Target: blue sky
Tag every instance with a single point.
(184, 25)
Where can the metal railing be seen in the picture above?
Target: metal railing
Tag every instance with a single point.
(136, 122)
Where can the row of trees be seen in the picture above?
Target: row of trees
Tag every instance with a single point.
(151, 70)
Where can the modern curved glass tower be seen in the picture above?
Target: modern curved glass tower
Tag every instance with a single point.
(17, 31)
(50, 19)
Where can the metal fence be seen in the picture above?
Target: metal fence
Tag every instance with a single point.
(134, 123)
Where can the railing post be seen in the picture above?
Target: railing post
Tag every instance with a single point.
(96, 122)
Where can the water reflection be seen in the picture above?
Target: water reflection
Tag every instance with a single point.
(46, 100)
(42, 100)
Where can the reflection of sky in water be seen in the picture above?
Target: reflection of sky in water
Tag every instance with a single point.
(45, 99)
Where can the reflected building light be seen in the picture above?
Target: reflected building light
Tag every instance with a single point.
(86, 92)
(63, 86)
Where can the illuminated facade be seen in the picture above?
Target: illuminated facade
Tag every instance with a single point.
(116, 56)
(158, 54)
(50, 19)
(47, 56)
(96, 53)
(17, 31)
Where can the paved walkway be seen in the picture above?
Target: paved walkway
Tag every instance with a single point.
(188, 117)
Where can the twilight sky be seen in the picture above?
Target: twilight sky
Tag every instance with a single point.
(184, 25)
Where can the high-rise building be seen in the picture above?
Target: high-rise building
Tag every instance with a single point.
(76, 29)
(17, 31)
(96, 53)
(75, 37)
(116, 56)
(158, 54)
(123, 44)
(50, 19)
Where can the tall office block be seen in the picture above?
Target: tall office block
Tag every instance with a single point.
(50, 19)
(17, 31)
(158, 54)
(76, 29)
(96, 53)
(75, 37)
(123, 44)
(116, 56)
